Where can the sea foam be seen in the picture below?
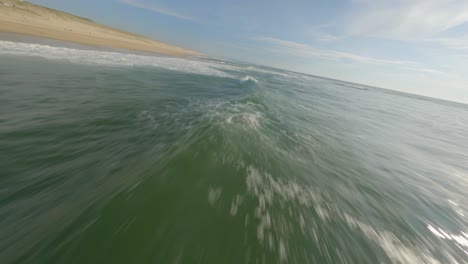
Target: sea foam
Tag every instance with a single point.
(248, 79)
(111, 58)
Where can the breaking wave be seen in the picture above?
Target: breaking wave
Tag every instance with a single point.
(248, 79)
(111, 58)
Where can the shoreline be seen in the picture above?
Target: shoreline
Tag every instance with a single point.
(39, 40)
(29, 20)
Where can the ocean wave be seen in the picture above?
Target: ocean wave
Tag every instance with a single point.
(246, 115)
(248, 79)
(111, 58)
(251, 120)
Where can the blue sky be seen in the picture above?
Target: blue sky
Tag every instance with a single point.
(415, 46)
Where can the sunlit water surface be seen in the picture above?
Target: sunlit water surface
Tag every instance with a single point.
(121, 158)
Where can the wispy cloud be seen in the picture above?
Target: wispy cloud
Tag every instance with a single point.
(406, 19)
(300, 50)
(325, 37)
(157, 9)
(425, 70)
(460, 44)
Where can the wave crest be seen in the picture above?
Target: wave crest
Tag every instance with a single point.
(110, 58)
(248, 79)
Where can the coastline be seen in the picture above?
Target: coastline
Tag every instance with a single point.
(23, 18)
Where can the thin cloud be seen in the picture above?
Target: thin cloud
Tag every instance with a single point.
(425, 70)
(300, 50)
(406, 19)
(460, 44)
(431, 71)
(159, 10)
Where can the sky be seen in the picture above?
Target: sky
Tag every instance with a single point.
(414, 46)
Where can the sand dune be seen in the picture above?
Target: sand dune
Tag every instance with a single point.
(29, 19)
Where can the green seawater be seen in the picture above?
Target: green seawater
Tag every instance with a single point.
(207, 161)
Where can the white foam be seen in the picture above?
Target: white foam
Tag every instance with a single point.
(274, 228)
(110, 58)
(236, 202)
(459, 239)
(246, 115)
(269, 191)
(395, 249)
(252, 120)
(249, 79)
(213, 195)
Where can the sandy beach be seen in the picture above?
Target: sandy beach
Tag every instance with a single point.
(28, 19)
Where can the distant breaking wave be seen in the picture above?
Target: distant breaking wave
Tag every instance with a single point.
(112, 58)
(249, 79)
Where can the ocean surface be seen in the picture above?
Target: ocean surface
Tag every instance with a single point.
(126, 158)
